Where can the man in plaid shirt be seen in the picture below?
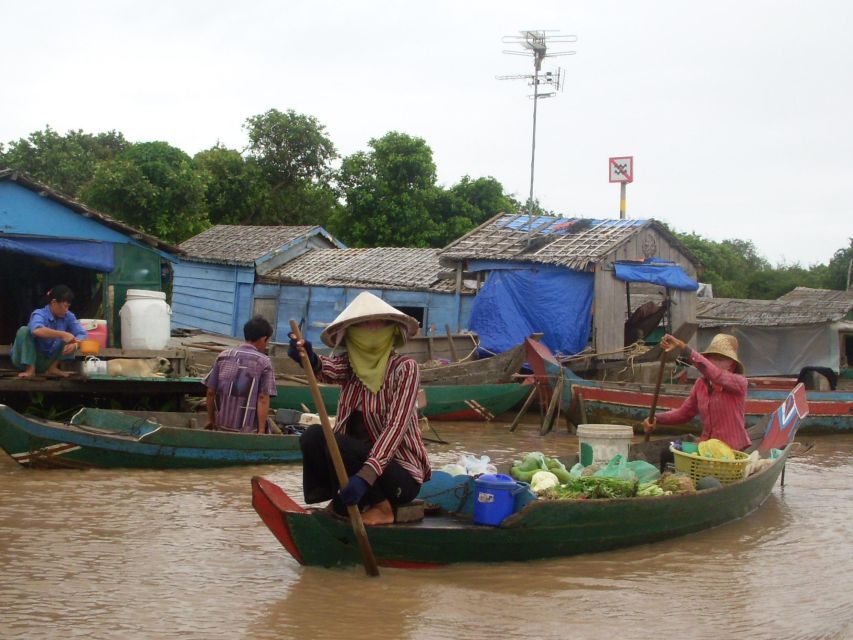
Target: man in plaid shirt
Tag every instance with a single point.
(241, 382)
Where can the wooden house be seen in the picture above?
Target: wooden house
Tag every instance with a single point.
(315, 287)
(214, 286)
(47, 238)
(576, 280)
(803, 328)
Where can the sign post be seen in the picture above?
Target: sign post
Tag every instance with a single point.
(622, 171)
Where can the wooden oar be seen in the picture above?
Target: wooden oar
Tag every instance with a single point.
(661, 367)
(367, 557)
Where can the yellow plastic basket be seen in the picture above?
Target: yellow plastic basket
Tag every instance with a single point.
(697, 467)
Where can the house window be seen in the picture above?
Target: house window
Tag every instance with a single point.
(418, 313)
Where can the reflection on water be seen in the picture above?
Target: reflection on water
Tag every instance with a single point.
(154, 554)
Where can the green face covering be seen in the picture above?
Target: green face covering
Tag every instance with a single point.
(369, 350)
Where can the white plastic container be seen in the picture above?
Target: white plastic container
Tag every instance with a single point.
(605, 441)
(145, 320)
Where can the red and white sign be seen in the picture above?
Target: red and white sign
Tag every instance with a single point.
(622, 169)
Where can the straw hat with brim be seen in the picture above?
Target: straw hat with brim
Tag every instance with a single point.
(724, 345)
(367, 306)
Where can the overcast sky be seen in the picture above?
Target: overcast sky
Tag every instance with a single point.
(737, 113)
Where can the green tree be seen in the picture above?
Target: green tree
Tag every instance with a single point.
(838, 270)
(237, 192)
(295, 156)
(486, 196)
(64, 162)
(152, 186)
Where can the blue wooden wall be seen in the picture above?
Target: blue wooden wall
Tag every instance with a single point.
(212, 297)
(318, 306)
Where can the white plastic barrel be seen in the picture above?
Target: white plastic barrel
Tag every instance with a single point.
(145, 320)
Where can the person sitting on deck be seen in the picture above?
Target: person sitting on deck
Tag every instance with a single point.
(51, 335)
(719, 396)
(377, 429)
(240, 383)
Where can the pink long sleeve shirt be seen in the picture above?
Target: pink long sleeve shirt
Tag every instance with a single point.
(719, 397)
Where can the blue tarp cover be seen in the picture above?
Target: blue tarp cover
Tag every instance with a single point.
(656, 271)
(515, 303)
(89, 254)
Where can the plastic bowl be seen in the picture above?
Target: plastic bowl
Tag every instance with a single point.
(89, 347)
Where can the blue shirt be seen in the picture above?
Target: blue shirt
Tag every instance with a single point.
(44, 318)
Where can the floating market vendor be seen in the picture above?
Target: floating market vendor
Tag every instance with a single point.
(719, 396)
(51, 335)
(377, 427)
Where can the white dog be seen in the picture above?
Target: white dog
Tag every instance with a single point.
(139, 367)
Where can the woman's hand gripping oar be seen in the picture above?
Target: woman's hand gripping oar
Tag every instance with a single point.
(370, 566)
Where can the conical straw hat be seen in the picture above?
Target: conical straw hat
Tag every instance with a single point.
(724, 345)
(367, 306)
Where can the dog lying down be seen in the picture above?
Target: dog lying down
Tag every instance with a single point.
(140, 367)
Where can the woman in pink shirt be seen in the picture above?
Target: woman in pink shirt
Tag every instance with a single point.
(719, 396)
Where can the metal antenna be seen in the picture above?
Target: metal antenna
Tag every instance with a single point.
(535, 45)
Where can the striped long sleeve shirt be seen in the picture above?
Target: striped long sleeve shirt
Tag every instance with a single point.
(719, 397)
(390, 416)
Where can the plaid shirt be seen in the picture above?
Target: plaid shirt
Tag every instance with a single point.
(390, 416)
(719, 397)
(238, 377)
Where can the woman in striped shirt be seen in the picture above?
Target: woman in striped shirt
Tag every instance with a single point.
(719, 396)
(377, 427)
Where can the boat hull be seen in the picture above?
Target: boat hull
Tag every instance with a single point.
(451, 402)
(543, 529)
(45, 444)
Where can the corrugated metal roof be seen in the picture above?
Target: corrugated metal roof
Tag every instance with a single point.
(721, 312)
(78, 207)
(376, 268)
(576, 243)
(241, 244)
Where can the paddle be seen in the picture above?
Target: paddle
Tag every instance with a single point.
(661, 367)
(370, 566)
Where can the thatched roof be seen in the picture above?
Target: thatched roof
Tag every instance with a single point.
(377, 268)
(798, 309)
(244, 244)
(78, 207)
(576, 243)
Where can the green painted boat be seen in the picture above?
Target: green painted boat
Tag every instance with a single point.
(443, 402)
(98, 438)
(541, 529)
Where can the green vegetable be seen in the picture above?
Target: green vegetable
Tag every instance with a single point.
(522, 476)
(533, 462)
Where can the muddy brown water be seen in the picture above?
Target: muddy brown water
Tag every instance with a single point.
(165, 554)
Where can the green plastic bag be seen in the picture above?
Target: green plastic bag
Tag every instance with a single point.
(617, 468)
(645, 472)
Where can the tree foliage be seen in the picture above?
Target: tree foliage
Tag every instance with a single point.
(154, 187)
(236, 190)
(65, 162)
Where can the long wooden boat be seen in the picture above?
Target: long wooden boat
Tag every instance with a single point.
(628, 402)
(481, 402)
(108, 439)
(542, 529)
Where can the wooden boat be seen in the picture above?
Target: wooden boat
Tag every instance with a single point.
(596, 401)
(454, 402)
(542, 529)
(469, 371)
(106, 439)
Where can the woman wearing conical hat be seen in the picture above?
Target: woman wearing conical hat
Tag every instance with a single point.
(377, 424)
(719, 396)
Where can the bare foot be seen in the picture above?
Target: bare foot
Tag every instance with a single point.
(29, 372)
(381, 513)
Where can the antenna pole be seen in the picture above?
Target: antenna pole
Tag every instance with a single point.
(533, 151)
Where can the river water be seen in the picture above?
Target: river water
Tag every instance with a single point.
(164, 554)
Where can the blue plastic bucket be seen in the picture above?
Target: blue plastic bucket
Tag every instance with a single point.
(494, 498)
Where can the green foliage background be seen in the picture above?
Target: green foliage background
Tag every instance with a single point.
(290, 173)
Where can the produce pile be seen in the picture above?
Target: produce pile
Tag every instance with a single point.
(550, 480)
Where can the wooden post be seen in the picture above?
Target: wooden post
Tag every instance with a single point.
(524, 407)
(455, 358)
(547, 422)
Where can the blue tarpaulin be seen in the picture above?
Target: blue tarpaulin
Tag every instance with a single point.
(517, 302)
(89, 254)
(656, 271)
